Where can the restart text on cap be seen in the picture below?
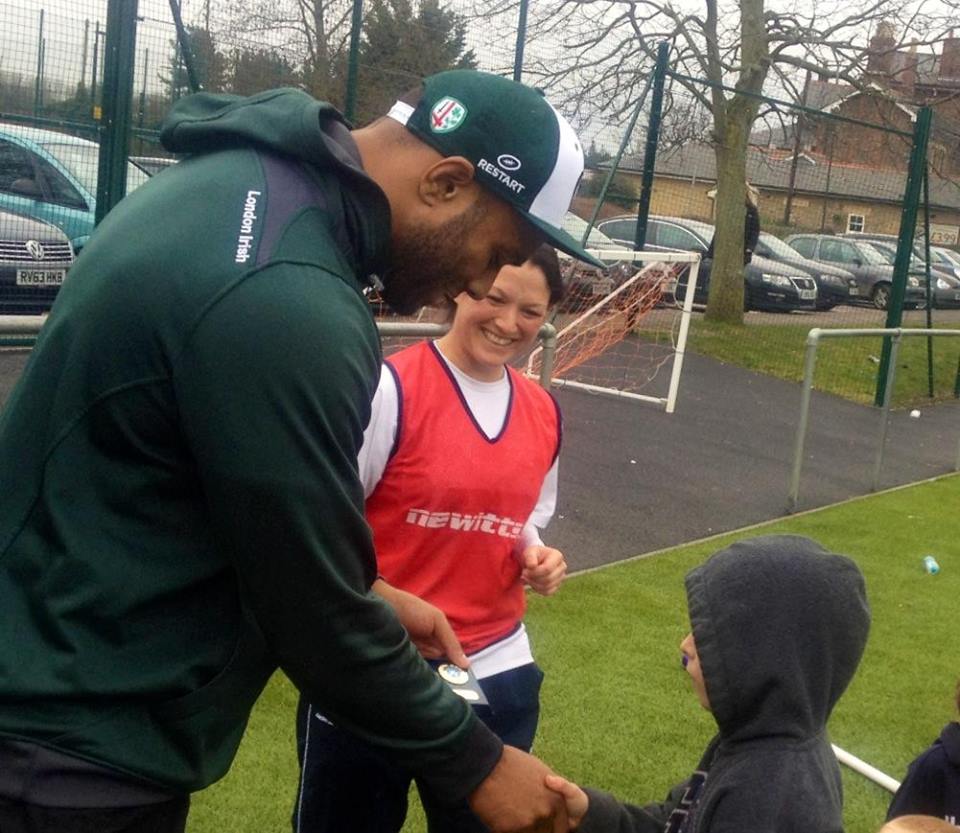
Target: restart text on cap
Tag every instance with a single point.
(522, 149)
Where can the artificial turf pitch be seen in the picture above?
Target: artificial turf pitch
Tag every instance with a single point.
(618, 713)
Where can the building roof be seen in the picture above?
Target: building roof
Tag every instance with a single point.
(696, 161)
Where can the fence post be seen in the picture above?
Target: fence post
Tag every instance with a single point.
(186, 54)
(809, 366)
(885, 418)
(908, 222)
(926, 270)
(118, 51)
(548, 339)
(521, 42)
(615, 162)
(353, 61)
(38, 82)
(653, 137)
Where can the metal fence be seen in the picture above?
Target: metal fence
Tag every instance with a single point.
(84, 85)
(853, 191)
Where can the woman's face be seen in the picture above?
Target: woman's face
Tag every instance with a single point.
(490, 332)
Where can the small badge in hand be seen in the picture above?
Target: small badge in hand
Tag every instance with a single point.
(462, 682)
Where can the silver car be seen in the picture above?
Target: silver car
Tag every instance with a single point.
(34, 259)
(869, 266)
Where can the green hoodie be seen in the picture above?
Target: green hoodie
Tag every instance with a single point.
(180, 512)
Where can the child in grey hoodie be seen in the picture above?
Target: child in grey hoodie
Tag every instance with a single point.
(778, 626)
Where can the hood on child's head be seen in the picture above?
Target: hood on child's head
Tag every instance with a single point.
(780, 625)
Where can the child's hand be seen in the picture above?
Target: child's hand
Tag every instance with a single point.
(576, 799)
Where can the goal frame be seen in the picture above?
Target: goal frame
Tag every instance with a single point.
(668, 402)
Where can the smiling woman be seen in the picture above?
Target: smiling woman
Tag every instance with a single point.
(459, 466)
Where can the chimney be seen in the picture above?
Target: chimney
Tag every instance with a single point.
(907, 76)
(882, 48)
(950, 58)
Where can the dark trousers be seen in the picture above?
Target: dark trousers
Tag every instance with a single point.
(347, 785)
(164, 817)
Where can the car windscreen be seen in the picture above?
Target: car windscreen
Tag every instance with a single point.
(873, 254)
(576, 226)
(777, 247)
(890, 254)
(945, 256)
(82, 161)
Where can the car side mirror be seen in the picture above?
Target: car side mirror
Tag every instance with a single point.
(857, 262)
(26, 188)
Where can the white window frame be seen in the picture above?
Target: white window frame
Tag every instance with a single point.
(861, 221)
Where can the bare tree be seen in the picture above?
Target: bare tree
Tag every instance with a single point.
(312, 35)
(602, 50)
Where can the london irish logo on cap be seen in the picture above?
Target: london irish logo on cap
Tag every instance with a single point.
(447, 115)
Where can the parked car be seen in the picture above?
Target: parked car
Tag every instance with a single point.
(767, 284)
(51, 176)
(834, 285)
(586, 284)
(869, 266)
(34, 259)
(945, 285)
(151, 165)
(946, 259)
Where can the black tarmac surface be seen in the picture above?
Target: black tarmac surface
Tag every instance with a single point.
(634, 479)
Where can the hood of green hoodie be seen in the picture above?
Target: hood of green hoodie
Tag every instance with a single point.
(289, 122)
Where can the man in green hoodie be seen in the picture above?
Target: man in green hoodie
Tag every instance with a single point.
(198, 393)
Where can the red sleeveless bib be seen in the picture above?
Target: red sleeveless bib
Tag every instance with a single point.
(451, 503)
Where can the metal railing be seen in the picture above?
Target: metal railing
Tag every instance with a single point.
(22, 331)
(814, 337)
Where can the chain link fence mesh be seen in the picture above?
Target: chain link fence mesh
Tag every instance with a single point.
(818, 179)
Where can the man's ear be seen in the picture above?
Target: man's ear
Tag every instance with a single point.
(447, 181)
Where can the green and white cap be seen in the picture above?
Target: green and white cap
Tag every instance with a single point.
(522, 149)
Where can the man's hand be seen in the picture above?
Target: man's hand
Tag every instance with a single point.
(427, 625)
(544, 569)
(514, 797)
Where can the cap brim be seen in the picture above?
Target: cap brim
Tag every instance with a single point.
(563, 241)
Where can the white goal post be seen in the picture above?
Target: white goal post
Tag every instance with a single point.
(649, 293)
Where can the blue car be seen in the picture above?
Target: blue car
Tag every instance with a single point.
(51, 176)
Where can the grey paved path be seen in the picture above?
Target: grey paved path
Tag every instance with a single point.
(634, 479)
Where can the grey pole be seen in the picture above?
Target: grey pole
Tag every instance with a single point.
(810, 362)
(548, 338)
(887, 396)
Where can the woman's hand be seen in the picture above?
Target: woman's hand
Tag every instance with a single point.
(426, 624)
(543, 568)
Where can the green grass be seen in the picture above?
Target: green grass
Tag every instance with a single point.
(845, 367)
(617, 710)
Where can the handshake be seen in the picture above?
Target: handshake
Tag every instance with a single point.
(522, 794)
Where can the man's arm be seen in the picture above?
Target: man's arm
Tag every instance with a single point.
(274, 388)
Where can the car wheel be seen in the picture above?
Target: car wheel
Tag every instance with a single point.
(881, 296)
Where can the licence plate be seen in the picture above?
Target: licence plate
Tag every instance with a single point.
(602, 286)
(808, 294)
(854, 290)
(40, 277)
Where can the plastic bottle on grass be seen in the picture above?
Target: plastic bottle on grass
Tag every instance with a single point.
(930, 565)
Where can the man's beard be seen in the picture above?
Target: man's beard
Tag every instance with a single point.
(427, 266)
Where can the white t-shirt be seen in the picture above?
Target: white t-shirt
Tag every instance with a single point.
(488, 402)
